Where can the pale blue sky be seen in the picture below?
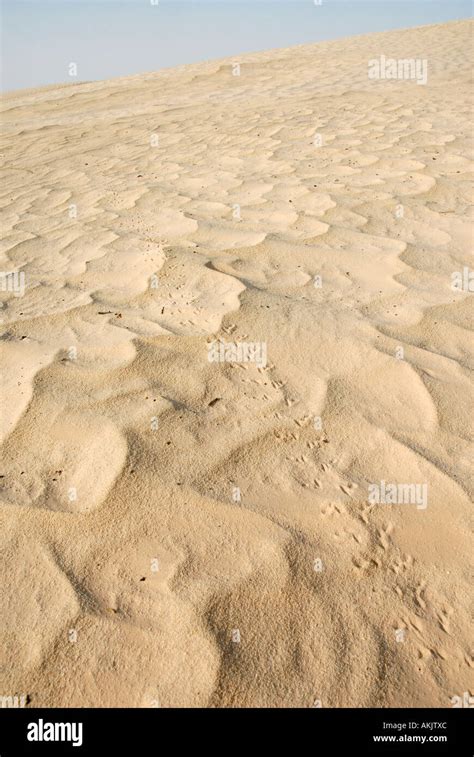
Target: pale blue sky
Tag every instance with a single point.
(108, 38)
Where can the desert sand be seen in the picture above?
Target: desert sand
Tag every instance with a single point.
(184, 533)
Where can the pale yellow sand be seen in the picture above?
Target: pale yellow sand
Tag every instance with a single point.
(128, 566)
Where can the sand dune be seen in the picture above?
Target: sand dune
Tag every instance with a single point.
(180, 532)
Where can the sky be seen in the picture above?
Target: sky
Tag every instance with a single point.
(108, 38)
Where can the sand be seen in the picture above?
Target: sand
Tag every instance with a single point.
(184, 533)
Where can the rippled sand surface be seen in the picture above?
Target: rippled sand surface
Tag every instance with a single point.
(191, 533)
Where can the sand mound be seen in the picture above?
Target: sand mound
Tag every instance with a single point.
(179, 531)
